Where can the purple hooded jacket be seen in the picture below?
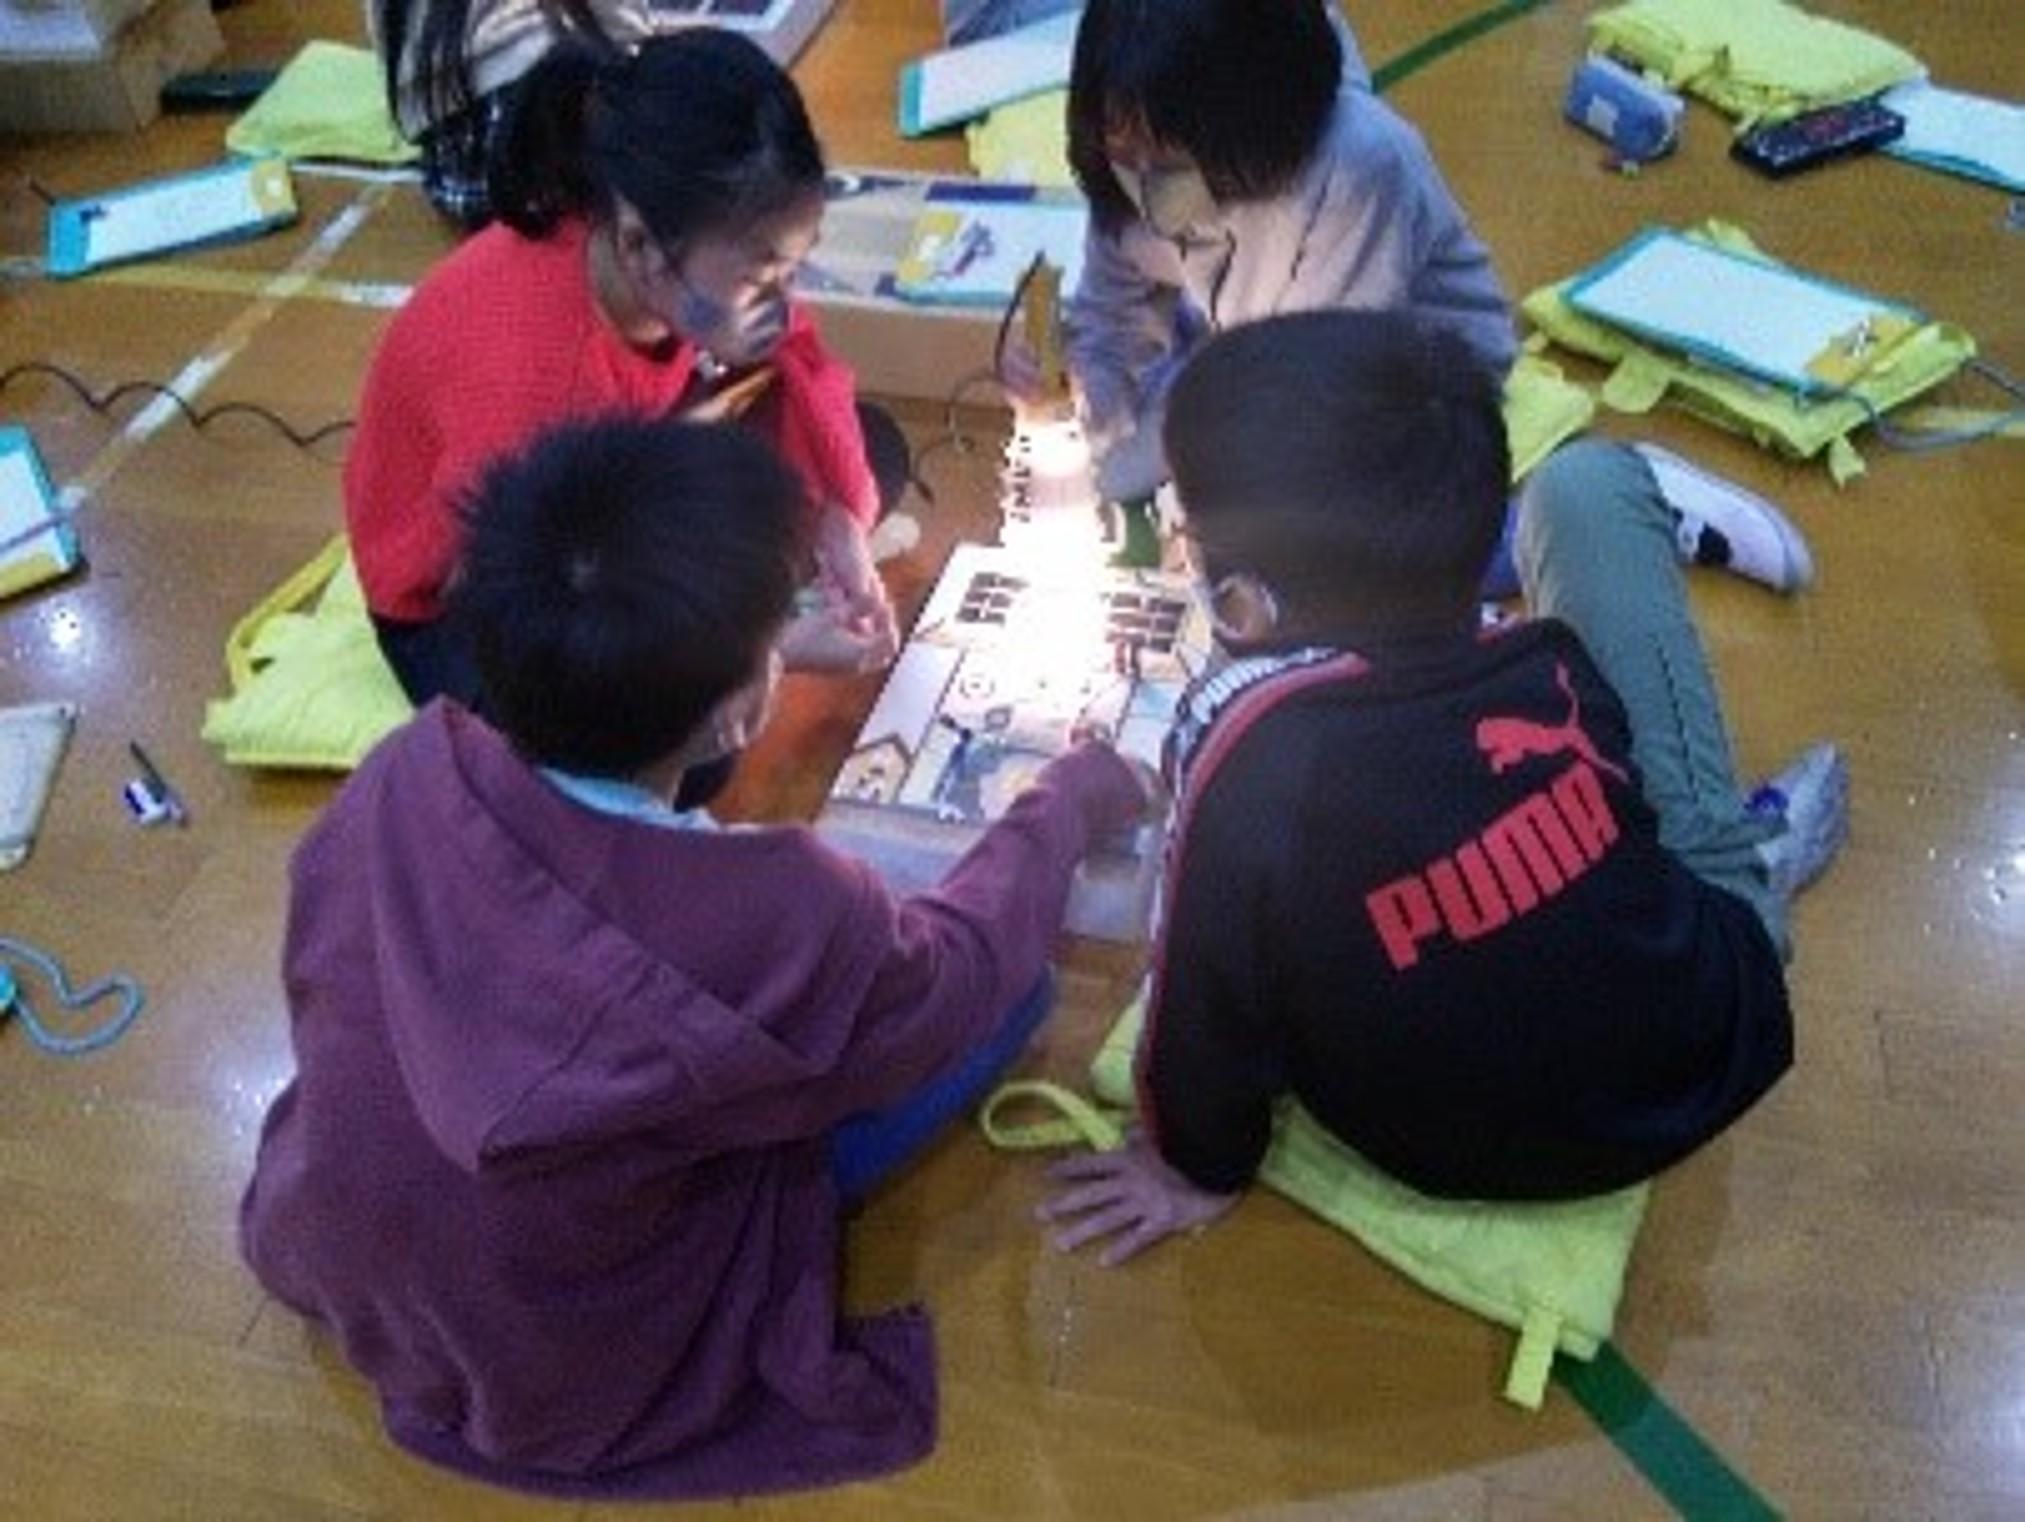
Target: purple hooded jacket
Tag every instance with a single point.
(553, 1166)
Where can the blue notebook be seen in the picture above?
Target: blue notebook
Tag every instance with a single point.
(1767, 321)
(241, 198)
(960, 83)
(37, 540)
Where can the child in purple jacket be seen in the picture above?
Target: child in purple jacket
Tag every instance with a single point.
(583, 1082)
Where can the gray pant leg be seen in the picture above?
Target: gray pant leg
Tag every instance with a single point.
(1595, 549)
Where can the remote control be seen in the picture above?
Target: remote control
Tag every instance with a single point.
(1830, 133)
(222, 90)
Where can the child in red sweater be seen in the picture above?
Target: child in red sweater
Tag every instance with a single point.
(654, 208)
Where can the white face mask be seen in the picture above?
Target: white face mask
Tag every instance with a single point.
(1171, 200)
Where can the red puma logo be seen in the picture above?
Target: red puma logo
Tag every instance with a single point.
(1506, 742)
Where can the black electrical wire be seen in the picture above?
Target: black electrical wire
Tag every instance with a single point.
(199, 418)
(1917, 441)
(953, 436)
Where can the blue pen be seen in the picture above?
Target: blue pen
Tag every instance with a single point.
(165, 796)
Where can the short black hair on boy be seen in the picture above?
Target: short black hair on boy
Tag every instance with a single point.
(621, 577)
(1356, 462)
(1243, 87)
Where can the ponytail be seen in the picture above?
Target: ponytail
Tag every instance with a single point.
(536, 174)
(696, 131)
(426, 68)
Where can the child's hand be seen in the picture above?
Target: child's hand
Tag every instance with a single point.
(850, 581)
(1129, 1196)
(827, 639)
(1151, 792)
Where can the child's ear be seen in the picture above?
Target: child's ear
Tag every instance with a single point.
(634, 243)
(743, 714)
(1243, 609)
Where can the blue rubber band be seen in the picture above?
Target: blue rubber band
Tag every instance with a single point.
(13, 1000)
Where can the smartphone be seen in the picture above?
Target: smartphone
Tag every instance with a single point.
(1817, 137)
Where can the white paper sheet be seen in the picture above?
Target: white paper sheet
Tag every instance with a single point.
(1964, 134)
(960, 83)
(1763, 320)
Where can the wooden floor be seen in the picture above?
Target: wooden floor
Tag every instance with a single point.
(1834, 1295)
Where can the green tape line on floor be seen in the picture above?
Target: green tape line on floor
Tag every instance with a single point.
(1421, 54)
(1674, 1459)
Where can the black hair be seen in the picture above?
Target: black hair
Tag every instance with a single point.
(697, 131)
(621, 577)
(1243, 87)
(436, 56)
(1356, 462)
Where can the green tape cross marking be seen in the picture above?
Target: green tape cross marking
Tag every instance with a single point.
(1671, 1455)
(1419, 56)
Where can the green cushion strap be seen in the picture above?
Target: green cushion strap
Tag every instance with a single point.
(1533, 1359)
(1078, 1124)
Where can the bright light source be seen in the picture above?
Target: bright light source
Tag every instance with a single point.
(1053, 519)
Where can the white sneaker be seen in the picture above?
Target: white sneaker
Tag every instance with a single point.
(1812, 796)
(1722, 524)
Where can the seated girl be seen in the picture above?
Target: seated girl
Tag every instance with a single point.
(655, 209)
(1208, 211)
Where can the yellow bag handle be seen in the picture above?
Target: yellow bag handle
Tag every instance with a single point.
(1079, 1123)
(290, 595)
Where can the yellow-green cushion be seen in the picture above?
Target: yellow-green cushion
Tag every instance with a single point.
(1756, 60)
(1553, 1273)
(329, 103)
(1543, 410)
(310, 688)
(1026, 141)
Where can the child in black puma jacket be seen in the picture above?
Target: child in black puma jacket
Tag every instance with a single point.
(1489, 904)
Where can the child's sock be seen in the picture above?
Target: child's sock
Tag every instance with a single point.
(1812, 797)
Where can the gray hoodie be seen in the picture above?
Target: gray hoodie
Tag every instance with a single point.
(1368, 224)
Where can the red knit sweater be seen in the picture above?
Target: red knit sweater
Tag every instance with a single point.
(504, 338)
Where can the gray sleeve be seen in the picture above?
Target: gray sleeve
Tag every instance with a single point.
(1121, 328)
